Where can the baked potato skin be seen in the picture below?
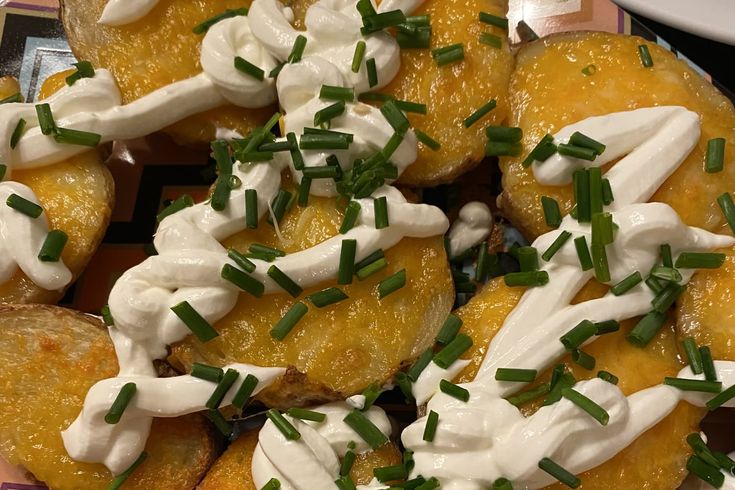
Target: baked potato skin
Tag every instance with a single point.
(657, 459)
(77, 194)
(342, 348)
(49, 358)
(549, 91)
(156, 51)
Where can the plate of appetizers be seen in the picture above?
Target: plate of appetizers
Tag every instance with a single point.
(350, 246)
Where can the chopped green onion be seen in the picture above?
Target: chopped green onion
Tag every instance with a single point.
(321, 172)
(722, 398)
(52, 246)
(596, 201)
(565, 380)
(715, 159)
(323, 141)
(430, 484)
(222, 388)
(370, 269)
(646, 329)
(244, 66)
(280, 205)
(454, 391)
(427, 140)
(204, 26)
(242, 280)
(552, 213)
(725, 462)
(304, 414)
(581, 183)
(528, 258)
(74, 137)
(17, 133)
(283, 425)
(255, 156)
(527, 396)
(556, 374)
(118, 481)
(627, 284)
(121, 402)
(666, 257)
(449, 329)
(502, 148)
(272, 484)
(365, 7)
(708, 365)
(516, 375)
(609, 377)
(325, 115)
(391, 284)
(347, 462)
(599, 261)
(17, 97)
(221, 195)
(563, 237)
(504, 133)
(194, 322)
(218, 420)
(583, 359)
(694, 385)
(667, 296)
(381, 213)
(608, 326)
(347, 261)
(705, 471)
(403, 382)
(480, 113)
(277, 70)
(84, 70)
(107, 316)
(390, 473)
(576, 151)
(578, 335)
(371, 393)
(645, 56)
(352, 212)
(597, 412)
(583, 253)
(541, 152)
(331, 92)
(251, 209)
(728, 209)
(579, 139)
(296, 156)
(559, 473)
(395, 117)
(700, 449)
(448, 54)
(589, 70)
(206, 372)
(694, 356)
(451, 352)
(285, 282)
(297, 51)
(417, 368)
(607, 193)
(179, 204)
(245, 391)
(45, 119)
(414, 37)
(654, 284)
(378, 254)
(494, 20)
(365, 429)
(502, 484)
(304, 189)
(668, 274)
(372, 71)
(358, 56)
(284, 326)
(327, 297)
(432, 420)
(602, 228)
(695, 260)
(383, 20)
(491, 40)
(530, 279)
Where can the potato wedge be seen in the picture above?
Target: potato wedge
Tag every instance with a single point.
(341, 348)
(663, 447)
(77, 195)
(549, 91)
(232, 470)
(49, 357)
(153, 52)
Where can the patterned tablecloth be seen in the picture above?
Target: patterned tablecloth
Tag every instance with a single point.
(151, 171)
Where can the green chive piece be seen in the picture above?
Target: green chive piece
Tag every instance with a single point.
(602, 228)
(418, 367)
(285, 282)
(244, 66)
(347, 261)
(366, 9)
(52, 246)
(528, 259)
(414, 37)
(704, 471)
(277, 70)
(372, 71)
(328, 113)
(321, 172)
(345, 483)
(576, 151)
(378, 254)
(529, 395)
(204, 26)
(578, 335)
(627, 284)
(297, 51)
(107, 316)
(414, 107)
(694, 385)
(645, 56)
(365, 429)
(280, 205)
(272, 484)
(559, 473)
(695, 260)
(221, 194)
(347, 462)
(666, 257)
(504, 133)
(222, 388)
(218, 420)
(494, 20)
(502, 484)
(607, 193)
(563, 237)
(700, 449)
(284, 326)
(390, 473)
(17, 133)
(392, 284)
(296, 156)
(452, 351)
(429, 484)
(121, 402)
(589, 70)
(581, 182)
(708, 365)
(45, 119)
(667, 297)
(715, 159)
(541, 152)
(693, 355)
(73, 137)
(449, 329)
(427, 140)
(565, 380)
(304, 414)
(583, 359)
(448, 54)
(529, 279)
(323, 141)
(359, 55)
(583, 253)
(491, 40)
(242, 280)
(118, 481)
(403, 382)
(206, 372)
(395, 117)
(487, 264)
(597, 412)
(726, 463)
(179, 204)
(579, 139)
(327, 297)
(516, 375)
(304, 189)
(599, 261)
(245, 391)
(371, 393)
(200, 327)
(283, 425)
(556, 374)
(654, 284)
(596, 201)
(728, 209)
(609, 377)
(454, 390)
(552, 213)
(370, 269)
(3, 169)
(480, 113)
(251, 209)
(668, 274)
(722, 398)
(275, 146)
(243, 262)
(381, 213)
(331, 92)
(379, 21)
(432, 420)
(352, 212)
(17, 97)
(646, 329)
(502, 148)
(608, 326)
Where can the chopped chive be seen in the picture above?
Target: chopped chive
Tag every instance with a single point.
(667, 297)
(597, 412)
(319, 131)
(725, 462)
(608, 326)
(654, 284)
(491, 40)
(272, 484)
(304, 189)
(323, 141)
(194, 322)
(403, 382)
(528, 259)
(583, 359)
(242, 280)
(579, 139)
(392, 145)
(345, 483)
(563, 237)
(325, 115)
(218, 420)
(381, 213)
(607, 193)
(266, 257)
(107, 316)
(694, 355)
(602, 228)
(331, 92)
(708, 366)
(700, 449)
(383, 20)
(432, 420)
(541, 152)
(504, 133)
(255, 156)
(17, 97)
(516, 375)
(347, 261)
(589, 70)
(486, 263)
(283, 425)
(528, 395)
(365, 429)
(559, 473)
(244, 66)
(715, 159)
(372, 72)
(414, 37)
(581, 183)
(52, 246)
(304, 414)
(222, 388)
(371, 393)
(370, 269)
(296, 157)
(277, 70)
(427, 140)
(392, 284)
(245, 391)
(599, 262)
(179, 204)
(454, 391)
(728, 209)
(206, 372)
(646, 329)
(448, 54)
(627, 284)
(221, 194)
(722, 398)
(204, 26)
(576, 151)
(321, 172)
(352, 212)
(704, 471)
(494, 20)
(556, 374)
(414, 107)
(696, 260)
(17, 133)
(502, 148)
(480, 113)
(121, 402)
(609, 377)
(418, 367)
(502, 484)
(275, 146)
(694, 384)
(430, 484)
(390, 473)
(378, 254)
(347, 462)
(596, 200)
(530, 279)
(118, 481)
(449, 329)
(668, 274)
(666, 257)
(73, 137)
(280, 205)
(365, 7)
(285, 282)
(327, 297)
(565, 380)
(395, 117)
(452, 351)
(552, 213)
(45, 119)
(578, 335)
(645, 56)
(284, 326)
(358, 56)
(251, 209)
(297, 51)
(583, 253)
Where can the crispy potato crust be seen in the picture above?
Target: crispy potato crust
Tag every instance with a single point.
(77, 195)
(657, 459)
(549, 91)
(49, 358)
